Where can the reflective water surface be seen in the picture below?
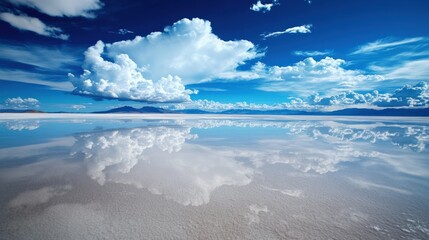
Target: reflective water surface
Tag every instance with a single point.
(214, 178)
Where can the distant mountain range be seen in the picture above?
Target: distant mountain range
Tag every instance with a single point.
(344, 112)
(19, 111)
(128, 109)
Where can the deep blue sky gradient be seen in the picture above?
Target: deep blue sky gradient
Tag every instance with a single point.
(338, 26)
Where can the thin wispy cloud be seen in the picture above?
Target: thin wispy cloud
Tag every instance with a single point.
(36, 79)
(48, 58)
(263, 7)
(385, 44)
(312, 53)
(413, 69)
(78, 107)
(54, 8)
(124, 31)
(62, 8)
(32, 24)
(298, 29)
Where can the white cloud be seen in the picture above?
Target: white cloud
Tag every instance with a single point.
(47, 64)
(312, 53)
(385, 44)
(78, 107)
(213, 106)
(26, 23)
(21, 103)
(123, 79)
(297, 29)
(61, 8)
(156, 67)
(407, 96)
(309, 75)
(47, 57)
(261, 7)
(413, 69)
(35, 78)
(124, 31)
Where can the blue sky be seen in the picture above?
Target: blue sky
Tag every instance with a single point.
(91, 55)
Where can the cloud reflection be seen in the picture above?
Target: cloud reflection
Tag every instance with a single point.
(22, 125)
(170, 160)
(156, 159)
(35, 197)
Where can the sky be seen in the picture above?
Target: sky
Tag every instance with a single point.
(313, 55)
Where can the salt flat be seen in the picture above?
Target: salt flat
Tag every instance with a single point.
(76, 176)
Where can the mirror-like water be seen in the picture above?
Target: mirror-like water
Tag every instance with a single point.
(220, 178)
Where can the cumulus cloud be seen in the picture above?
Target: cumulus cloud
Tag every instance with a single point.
(416, 96)
(312, 75)
(62, 8)
(123, 79)
(156, 67)
(407, 96)
(297, 29)
(385, 44)
(263, 7)
(21, 103)
(213, 106)
(26, 23)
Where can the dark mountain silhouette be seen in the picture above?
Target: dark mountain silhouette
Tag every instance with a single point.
(19, 111)
(344, 112)
(128, 109)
